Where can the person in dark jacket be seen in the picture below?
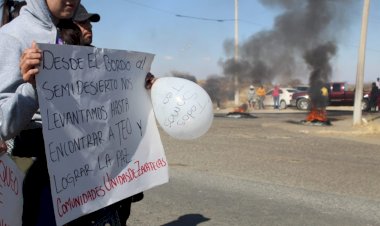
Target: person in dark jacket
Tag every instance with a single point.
(374, 94)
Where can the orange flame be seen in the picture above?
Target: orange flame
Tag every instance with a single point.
(241, 109)
(317, 115)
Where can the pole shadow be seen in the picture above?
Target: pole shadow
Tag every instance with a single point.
(188, 220)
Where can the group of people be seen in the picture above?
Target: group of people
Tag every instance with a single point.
(41, 21)
(256, 97)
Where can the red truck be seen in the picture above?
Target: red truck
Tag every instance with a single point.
(339, 95)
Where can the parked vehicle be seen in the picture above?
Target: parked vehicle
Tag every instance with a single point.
(285, 97)
(301, 100)
(302, 88)
(339, 95)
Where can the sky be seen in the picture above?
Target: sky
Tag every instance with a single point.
(188, 36)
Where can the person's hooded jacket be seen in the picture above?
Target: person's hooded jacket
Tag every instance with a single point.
(18, 99)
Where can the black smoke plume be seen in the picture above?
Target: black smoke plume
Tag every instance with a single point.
(318, 60)
(277, 54)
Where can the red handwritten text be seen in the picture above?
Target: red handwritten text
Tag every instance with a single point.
(71, 203)
(109, 183)
(132, 174)
(2, 223)
(8, 178)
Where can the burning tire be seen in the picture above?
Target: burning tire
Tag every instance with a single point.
(365, 105)
(303, 104)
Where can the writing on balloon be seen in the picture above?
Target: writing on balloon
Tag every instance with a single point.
(186, 108)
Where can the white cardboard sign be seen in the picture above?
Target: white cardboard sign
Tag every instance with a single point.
(101, 139)
(11, 201)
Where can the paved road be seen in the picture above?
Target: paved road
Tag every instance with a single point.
(269, 170)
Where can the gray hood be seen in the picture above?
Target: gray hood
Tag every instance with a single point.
(39, 9)
(18, 100)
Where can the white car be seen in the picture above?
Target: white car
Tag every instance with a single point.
(285, 97)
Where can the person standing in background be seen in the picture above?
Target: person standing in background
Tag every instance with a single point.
(374, 94)
(9, 9)
(251, 97)
(276, 97)
(260, 92)
(4, 12)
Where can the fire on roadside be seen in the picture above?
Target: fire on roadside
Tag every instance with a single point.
(317, 115)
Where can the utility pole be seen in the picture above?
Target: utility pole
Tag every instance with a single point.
(236, 79)
(357, 118)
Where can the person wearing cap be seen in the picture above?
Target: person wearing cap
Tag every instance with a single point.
(83, 20)
(118, 213)
(251, 96)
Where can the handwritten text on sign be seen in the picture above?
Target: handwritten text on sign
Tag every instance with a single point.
(10, 192)
(101, 140)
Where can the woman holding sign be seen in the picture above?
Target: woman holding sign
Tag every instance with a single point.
(117, 213)
(19, 116)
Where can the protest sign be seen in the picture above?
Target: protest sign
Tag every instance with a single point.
(101, 139)
(10, 192)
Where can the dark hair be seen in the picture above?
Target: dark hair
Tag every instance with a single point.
(11, 9)
(70, 32)
(16, 9)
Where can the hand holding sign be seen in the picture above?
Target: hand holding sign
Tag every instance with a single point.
(182, 108)
(3, 147)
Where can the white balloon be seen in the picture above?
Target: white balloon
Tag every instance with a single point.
(182, 108)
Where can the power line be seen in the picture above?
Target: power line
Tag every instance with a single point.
(353, 46)
(150, 7)
(204, 18)
(220, 20)
(190, 17)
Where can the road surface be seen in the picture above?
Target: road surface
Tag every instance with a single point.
(269, 170)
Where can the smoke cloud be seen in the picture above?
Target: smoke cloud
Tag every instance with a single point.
(304, 25)
(318, 62)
